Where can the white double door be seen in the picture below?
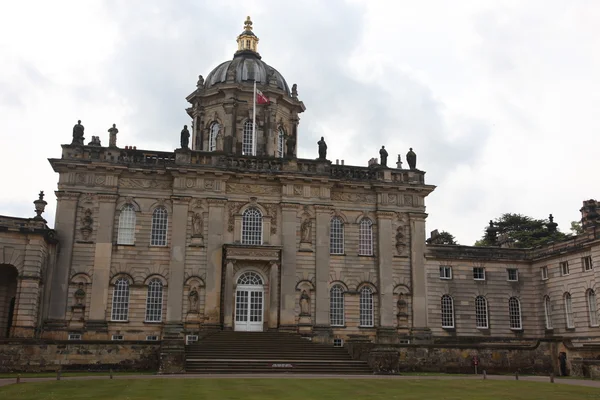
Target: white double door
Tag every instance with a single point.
(249, 308)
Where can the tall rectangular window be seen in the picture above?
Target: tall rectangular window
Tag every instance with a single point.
(336, 236)
(158, 235)
(481, 313)
(365, 237)
(447, 311)
(587, 263)
(336, 306)
(120, 300)
(248, 140)
(514, 312)
(569, 311)
(544, 271)
(366, 307)
(154, 301)
(126, 232)
(564, 268)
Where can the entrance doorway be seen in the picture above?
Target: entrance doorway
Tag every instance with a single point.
(249, 303)
(8, 292)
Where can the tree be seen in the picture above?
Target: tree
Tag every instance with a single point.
(442, 237)
(522, 231)
(576, 227)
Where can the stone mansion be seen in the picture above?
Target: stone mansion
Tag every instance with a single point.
(232, 231)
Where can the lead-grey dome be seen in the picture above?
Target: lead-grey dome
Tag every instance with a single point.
(245, 67)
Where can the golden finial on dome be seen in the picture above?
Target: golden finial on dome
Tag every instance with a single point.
(247, 40)
(248, 24)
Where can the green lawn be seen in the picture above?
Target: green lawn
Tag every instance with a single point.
(73, 373)
(294, 389)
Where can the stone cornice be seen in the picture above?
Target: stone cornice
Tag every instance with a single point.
(290, 206)
(182, 200)
(216, 202)
(107, 197)
(323, 208)
(385, 214)
(64, 195)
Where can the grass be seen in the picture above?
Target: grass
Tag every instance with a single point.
(13, 375)
(294, 389)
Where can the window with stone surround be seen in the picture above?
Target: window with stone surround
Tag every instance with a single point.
(447, 311)
(248, 139)
(481, 313)
(336, 305)
(126, 232)
(514, 313)
(587, 263)
(592, 307)
(336, 236)
(569, 311)
(365, 237)
(564, 268)
(513, 274)
(366, 306)
(252, 226)
(154, 301)
(212, 137)
(544, 271)
(280, 142)
(120, 300)
(445, 272)
(479, 273)
(158, 235)
(548, 312)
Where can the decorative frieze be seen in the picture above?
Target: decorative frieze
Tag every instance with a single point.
(134, 183)
(354, 197)
(233, 208)
(252, 189)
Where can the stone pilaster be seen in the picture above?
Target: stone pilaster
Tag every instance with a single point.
(322, 265)
(214, 254)
(384, 269)
(66, 214)
(419, 274)
(288, 264)
(273, 291)
(102, 257)
(228, 296)
(177, 266)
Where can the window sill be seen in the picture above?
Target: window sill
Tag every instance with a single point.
(338, 326)
(570, 328)
(125, 245)
(155, 246)
(512, 280)
(483, 329)
(118, 322)
(449, 328)
(366, 327)
(153, 322)
(367, 255)
(445, 279)
(595, 326)
(338, 255)
(479, 280)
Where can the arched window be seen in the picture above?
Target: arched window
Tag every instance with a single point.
(569, 311)
(120, 300)
(250, 278)
(336, 236)
(592, 307)
(447, 311)
(481, 312)
(336, 306)
(252, 226)
(365, 237)
(366, 306)
(548, 312)
(248, 140)
(212, 137)
(154, 301)
(158, 236)
(126, 232)
(281, 143)
(514, 313)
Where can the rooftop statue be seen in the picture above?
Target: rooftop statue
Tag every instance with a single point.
(78, 134)
(112, 139)
(384, 155)
(185, 137)
(322, 149)
(411, 159)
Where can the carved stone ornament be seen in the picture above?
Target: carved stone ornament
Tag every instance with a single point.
(354, 197)
(197, 225)
(304, 304)
(252, 189)
(272, 212)
(193, 299)
(144, 183)
(233, 209)
(86, 224)
(400, 240)
(79, 295)
(306, 230)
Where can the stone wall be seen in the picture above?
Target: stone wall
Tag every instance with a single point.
(36, 356)
(538, 358)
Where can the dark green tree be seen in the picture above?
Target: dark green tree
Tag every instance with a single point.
(523, 231)
(576, 227)
(442, 237)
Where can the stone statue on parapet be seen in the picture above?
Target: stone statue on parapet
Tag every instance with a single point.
(112, 138)
(383, 154)
(185, 137)
(411, 159)
(200, 83)
(78, 134)
(322, 149)
(295, 91)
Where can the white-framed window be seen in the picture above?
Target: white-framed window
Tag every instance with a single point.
(587, 263)
(479, 273)
(564, 268)
(365, 237)
(481, 312)
(126, 232)
(548, 312)
(212, 136)
(514, 313)
(189, 339)
(336, 305)
(120, 300)
(154, 301)
(336, 236)
(338, 342)
(592, 307)
(158, 235)
(116, 337)
(280, 142)
(513, 274)
(544, 271)
(248, 139)
(152, 338)
(447, 311)
(366, 306)
(74, 336)
(569, 311)
(252, 228)
(445, 272)
(250, 278)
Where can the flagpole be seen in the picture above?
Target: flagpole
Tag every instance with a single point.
(254, 119)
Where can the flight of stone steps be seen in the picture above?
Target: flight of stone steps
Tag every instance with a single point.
(268, 352)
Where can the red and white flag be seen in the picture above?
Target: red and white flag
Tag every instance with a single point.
(261, 98)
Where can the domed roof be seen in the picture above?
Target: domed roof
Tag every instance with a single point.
(246, 66)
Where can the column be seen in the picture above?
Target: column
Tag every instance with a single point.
(102, 257)
(214, 254)
(289, 224)
(66, 212)
(273, 290)
(419, 275)
(385, 260)
(177, 266)
(228, 296)
(322, 266)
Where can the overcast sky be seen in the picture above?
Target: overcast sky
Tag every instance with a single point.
(499, 99)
